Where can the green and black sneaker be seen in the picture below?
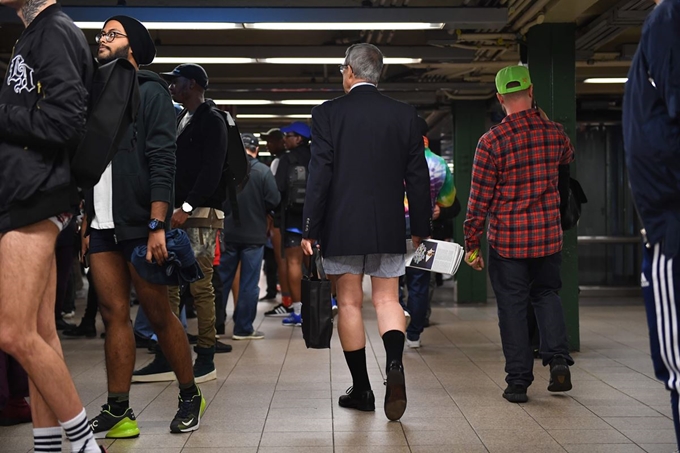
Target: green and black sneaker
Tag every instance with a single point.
(189, 415)
(109, 426)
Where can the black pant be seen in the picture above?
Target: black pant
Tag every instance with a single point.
(271, 271)
(518, 283)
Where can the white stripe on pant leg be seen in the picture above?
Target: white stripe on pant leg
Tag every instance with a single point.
(675, 356)
(659, 311)
(661, 272)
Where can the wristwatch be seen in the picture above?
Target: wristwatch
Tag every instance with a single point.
(155, 225)
(187, 208)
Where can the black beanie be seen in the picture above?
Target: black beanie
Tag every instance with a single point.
(143, 48)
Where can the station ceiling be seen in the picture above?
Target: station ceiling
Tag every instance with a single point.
(455, 58)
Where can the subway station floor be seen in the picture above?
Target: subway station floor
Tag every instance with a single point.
(275, 396)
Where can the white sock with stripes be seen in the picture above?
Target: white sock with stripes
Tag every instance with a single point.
(297, 308)
(47, 440)
(80, 434)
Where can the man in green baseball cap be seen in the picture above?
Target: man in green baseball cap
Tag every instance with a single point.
(520, 169)
(513, 84)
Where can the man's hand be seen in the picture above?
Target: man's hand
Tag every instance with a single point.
(477, 262)
(178, 218)
(155, 247)
(436, 212)
(308, 246)
(417, 241)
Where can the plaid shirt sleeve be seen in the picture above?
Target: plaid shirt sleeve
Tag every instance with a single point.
(484, 177)
(568, 155)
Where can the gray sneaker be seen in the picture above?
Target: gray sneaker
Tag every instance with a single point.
(256, 335)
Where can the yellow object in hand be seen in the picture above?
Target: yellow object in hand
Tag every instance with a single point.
(474, 255)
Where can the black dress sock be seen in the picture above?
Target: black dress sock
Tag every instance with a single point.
(356, 361)
(118, 403)
(394, 345)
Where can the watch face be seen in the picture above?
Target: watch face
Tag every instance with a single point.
(153, 224)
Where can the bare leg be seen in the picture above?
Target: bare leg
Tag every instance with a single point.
(26, 259)
(386, 302)
(350, 301)
(43, 417)
(280, 261)
(171, 336)
(112, 282)
(294, 264)
(236, 285)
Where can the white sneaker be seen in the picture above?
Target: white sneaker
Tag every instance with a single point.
(68, 314)
(408, 318)
(415, 344)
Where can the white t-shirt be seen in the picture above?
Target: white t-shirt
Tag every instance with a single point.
(103, 202)
(185, 120)
(274, 166)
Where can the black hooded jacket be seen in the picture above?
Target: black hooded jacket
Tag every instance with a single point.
(43, 108)
(144, 168)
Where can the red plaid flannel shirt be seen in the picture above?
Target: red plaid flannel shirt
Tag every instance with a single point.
(514, 184)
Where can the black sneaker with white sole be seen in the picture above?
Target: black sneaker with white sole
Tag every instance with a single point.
(279, 311)
(189, 413)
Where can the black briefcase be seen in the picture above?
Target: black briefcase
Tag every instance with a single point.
(317, 312)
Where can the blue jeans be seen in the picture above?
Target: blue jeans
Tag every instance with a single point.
(250, 256)
(518, 283)
(418, 283)
(142, 326)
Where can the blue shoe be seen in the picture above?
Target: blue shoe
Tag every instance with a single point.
(293, 320)
(334, 306)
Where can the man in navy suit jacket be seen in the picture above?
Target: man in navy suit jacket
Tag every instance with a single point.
(366, 149)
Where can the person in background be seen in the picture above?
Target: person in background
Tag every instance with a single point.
(522, 205)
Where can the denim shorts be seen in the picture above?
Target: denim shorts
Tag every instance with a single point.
(382, 265)
(105, 241)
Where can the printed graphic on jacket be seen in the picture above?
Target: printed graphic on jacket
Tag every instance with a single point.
(21, 75)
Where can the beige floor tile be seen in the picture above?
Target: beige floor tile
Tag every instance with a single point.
(221, 450)
(622, 423)
(297, 439)
(362, 439)
(223, 440)
(371, 449)
(611, 448)
(460, 436)
(472, 448)
(650, 436)
(548, 447)
(512, 437)
(659, 448)
(588, 436)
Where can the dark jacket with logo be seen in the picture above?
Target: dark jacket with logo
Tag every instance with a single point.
(43, 107)
(144, 168)
(201, 151)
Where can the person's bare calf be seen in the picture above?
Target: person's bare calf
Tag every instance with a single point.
(168, 328)
(112, 282)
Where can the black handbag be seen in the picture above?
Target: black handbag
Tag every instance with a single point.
(317, 312)
(571, 213)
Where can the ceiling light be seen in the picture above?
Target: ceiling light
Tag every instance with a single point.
(345, 26)
(171, 25)
(204, 60)
(257, 134)
(242, 102)
(302, 101)
(339, 60)
(265, 154)
(606, 80)
(263, 116)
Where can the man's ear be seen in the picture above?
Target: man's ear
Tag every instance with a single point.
(500, 98)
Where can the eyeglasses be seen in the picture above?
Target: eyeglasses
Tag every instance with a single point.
(108, 37)
(342, 67)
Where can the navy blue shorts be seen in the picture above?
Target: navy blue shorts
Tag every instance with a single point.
(105, 241)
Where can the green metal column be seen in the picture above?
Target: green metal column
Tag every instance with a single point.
(469, 124)
(552, 62)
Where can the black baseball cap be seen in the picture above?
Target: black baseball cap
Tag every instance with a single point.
(189, 71)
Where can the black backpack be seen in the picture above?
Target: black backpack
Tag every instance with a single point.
(571, 207)
(113, 106)
(296, 185)
(236, 170)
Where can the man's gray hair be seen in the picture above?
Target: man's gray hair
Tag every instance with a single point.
(366, 61)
